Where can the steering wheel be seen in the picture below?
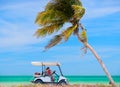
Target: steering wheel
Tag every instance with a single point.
(54, 72)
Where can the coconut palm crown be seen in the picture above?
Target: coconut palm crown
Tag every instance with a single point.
(55, 15)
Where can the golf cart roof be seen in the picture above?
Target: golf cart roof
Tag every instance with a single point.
(45, 63)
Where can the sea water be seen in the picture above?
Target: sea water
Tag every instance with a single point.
(71, 79)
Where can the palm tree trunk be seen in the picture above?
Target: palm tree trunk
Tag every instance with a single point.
(99, 60)
(101, 63)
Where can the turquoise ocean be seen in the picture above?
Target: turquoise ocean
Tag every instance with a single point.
(71, 79)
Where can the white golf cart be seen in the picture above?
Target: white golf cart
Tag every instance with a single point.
(44, 79)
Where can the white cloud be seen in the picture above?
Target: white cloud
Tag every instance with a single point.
(95, 8)
(12, 35)
(17, 24)
(99, 12)
(65, 54)
(22, 6)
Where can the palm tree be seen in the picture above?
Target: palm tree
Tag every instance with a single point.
(55, 15)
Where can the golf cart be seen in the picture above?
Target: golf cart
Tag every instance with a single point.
(42, 78)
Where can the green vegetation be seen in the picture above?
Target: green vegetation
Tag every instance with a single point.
(55, 15)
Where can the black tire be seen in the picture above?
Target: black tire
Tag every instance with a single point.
(38, 81)
(62, 82)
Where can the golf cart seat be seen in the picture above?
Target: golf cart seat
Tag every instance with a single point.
(36, 74)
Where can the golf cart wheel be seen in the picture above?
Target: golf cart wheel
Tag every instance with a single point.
(39, 81)
(62, 82)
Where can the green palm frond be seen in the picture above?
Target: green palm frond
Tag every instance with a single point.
(84, 50)
(47, 30)
(60, 10)
(38, 17)
(50, 6)
(63, 6)
(75, 2)
(50, 17)
(44, 17)
(68, 32)
(57, 39)
(83, 35)
(55, 15)
(40, 32)
(78, 11)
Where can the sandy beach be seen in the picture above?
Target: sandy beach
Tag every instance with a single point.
(39, 85)
(51, 85)
(74, 81)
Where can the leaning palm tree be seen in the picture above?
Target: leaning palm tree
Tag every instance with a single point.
(55, 15)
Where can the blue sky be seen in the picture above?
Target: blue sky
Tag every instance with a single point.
(18, 46)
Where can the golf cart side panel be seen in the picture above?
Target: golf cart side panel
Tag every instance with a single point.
(43, 79)
(46, 79)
